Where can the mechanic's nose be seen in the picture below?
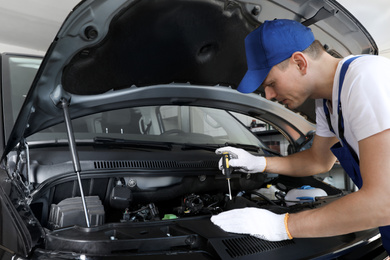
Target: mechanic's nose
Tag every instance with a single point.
(269, 93)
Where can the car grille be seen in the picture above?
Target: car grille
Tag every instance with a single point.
(249, 245)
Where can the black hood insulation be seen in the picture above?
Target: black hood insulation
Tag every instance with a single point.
(164, 41)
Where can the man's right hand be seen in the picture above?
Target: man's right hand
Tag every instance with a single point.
(242, 160)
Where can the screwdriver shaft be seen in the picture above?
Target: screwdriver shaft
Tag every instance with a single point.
(230, 190)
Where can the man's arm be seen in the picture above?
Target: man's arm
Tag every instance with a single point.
(367, 208)
(317, 159)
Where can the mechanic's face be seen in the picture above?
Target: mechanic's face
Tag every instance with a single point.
(286, 86)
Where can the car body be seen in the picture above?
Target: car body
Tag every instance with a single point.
(110, 153)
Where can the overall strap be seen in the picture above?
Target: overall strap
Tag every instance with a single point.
(343, 71)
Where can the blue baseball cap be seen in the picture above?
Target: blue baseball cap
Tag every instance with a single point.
(268, 45)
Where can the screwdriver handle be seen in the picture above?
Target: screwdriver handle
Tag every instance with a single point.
(225, 163)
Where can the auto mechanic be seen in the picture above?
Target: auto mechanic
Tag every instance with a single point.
(352, 97)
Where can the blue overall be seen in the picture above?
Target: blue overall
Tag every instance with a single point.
(346, 155)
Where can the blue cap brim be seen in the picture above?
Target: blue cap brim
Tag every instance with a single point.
(252, 80)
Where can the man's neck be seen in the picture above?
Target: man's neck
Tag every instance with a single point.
(325, 68)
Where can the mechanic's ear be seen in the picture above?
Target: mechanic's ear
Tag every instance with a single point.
(300, 60)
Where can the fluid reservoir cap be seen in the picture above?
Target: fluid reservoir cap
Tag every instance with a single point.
(306, 187)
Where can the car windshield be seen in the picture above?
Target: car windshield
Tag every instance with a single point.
(173, 123)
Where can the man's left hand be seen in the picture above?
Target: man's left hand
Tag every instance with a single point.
(260, 223)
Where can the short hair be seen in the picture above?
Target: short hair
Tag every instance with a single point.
(314, 51)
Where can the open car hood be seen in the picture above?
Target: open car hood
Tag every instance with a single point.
(114, 54)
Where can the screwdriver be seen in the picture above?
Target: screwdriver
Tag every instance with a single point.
(227, 170)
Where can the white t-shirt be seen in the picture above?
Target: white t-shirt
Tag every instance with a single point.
(365, 100)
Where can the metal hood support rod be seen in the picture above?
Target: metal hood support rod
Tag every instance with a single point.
(75, 158)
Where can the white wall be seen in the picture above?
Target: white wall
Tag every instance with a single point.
(374, 15)
(16, 49)
(29, 26)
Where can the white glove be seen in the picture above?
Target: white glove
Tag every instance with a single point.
(240, 158)
(256, 222)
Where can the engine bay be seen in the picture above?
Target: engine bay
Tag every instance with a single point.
(125, 199)
(146, 204)
(145, 189)
(176, 223)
